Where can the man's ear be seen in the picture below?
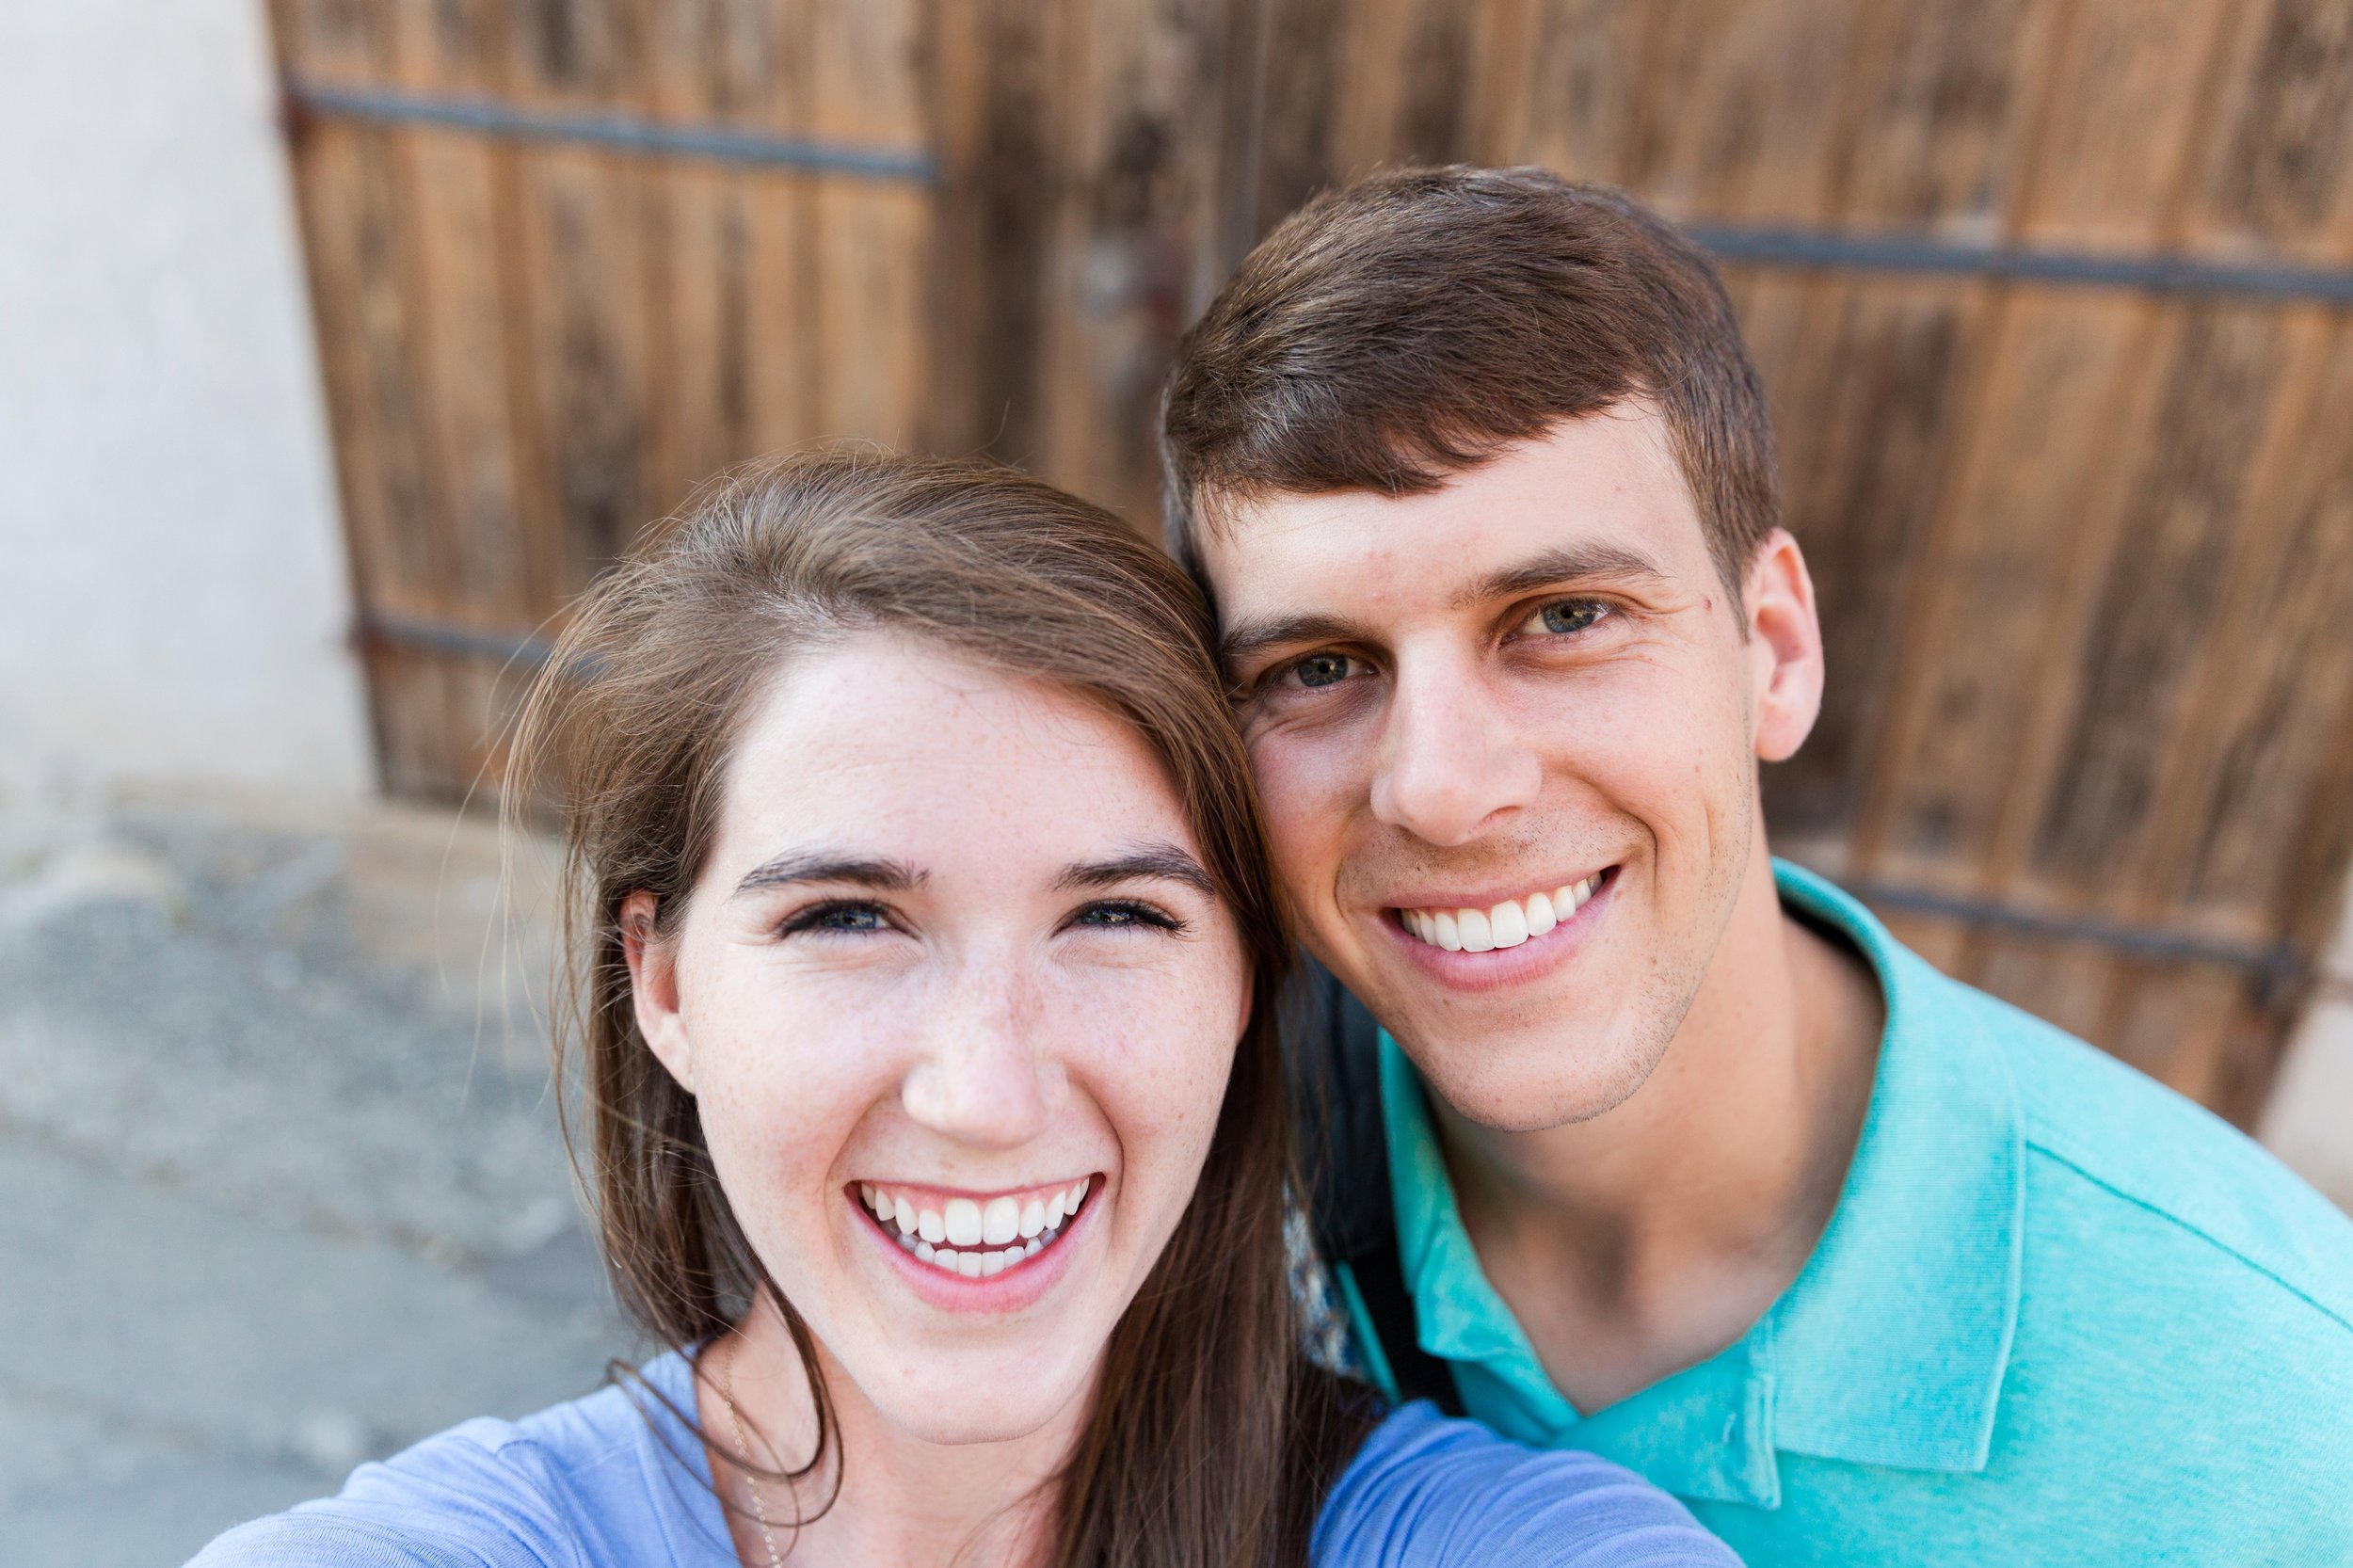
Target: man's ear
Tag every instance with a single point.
(1784, 648)
(653, 989)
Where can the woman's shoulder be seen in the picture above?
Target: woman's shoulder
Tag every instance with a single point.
(612, 1477)
(1425, 1489)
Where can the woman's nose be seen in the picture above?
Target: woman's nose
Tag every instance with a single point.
(986, 1076)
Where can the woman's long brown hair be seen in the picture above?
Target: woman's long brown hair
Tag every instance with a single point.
(1210, 1440)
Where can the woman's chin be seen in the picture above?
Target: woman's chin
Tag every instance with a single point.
(968, 1399)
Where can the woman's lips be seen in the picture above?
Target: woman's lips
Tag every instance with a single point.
(973, 1236)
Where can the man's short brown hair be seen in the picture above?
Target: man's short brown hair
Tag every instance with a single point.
(1401, 331)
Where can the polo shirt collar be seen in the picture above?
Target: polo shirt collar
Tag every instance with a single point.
(1889, 1348)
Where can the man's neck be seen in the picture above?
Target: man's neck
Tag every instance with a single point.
(1653, 1236)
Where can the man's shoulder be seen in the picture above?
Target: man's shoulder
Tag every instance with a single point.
(2104, 1136)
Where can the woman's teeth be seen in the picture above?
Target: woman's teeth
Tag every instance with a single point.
(1505, 925)
(972, 1238)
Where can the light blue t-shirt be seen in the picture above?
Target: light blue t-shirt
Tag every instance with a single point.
(619, 1479)
(2061, 1315)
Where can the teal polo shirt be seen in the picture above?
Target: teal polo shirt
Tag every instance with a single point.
(2060, 1315)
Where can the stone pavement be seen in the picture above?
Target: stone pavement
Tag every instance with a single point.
(281, 1187)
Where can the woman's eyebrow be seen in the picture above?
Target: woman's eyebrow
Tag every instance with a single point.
(803, 865)
(1161, 859)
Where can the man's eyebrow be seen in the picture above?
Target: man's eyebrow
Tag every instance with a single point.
(1161, 859)
(1582, 563)
(1246, 639)
(817, 865)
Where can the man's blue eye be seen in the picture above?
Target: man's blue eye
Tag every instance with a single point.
(1322, 669)
(839, 916)
(1570, 614)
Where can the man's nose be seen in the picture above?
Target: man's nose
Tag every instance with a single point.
(985, 1077)
(1451, 759)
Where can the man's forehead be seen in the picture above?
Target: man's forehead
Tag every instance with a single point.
(1595, 499)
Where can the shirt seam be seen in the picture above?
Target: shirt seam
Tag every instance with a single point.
(2340, 1318)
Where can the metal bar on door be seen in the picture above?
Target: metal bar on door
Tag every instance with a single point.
(619, 133)
(1760, 246)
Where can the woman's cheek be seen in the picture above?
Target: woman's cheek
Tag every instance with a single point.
(1162, 1078)
(780, 1094)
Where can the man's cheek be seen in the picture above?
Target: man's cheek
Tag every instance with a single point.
(1307, 800)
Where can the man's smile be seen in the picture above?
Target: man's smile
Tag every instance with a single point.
(1506, 923)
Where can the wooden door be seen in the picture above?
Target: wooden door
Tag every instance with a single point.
(2051, 298)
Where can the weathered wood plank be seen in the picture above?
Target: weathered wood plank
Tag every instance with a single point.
(1293, 152)
(2124, 125)
(995, 118)
(452, 194)
(704, 66)
(373, 317)
(585, 231)
(2070, 984)
(1572, 91)
(1943, 943)
(1980, 697)
(1138, 187)
(2160, 599)
(1405, 93)
(2276, 673)
(1742, 106)
(2182, 1024)
(2279, 177)
(1864, 381)
(1946, 91)
(874, 249)
(2026, 529)
(769, 54)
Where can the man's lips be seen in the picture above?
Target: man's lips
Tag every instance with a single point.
(1504, 924)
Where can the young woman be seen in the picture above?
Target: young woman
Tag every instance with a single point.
(924, 947)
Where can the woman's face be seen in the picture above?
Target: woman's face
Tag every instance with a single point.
(958, 1007)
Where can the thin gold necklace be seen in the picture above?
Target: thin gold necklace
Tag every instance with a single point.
(743, 1452)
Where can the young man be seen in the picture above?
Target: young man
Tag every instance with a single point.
(1689, 1162)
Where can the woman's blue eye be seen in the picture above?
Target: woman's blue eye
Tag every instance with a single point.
(1569, 614)
(1117, 916)
(1322, 669)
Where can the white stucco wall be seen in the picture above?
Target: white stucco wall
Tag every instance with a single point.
(173, 598)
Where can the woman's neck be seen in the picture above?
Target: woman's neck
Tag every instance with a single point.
(903, 1499)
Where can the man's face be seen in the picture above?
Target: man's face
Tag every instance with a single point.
(1507, 734)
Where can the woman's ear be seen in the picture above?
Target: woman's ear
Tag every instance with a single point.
(653, 989)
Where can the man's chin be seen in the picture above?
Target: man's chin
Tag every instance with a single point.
(1533, 1083)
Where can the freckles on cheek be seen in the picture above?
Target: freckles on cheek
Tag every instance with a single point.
(1167, 1074)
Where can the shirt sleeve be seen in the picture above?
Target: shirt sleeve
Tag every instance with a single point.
(1426, 1492)
(459, 1500)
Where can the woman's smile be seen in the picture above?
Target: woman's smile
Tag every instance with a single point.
(973, 1251)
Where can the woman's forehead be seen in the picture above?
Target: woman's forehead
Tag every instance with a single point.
(890, 740)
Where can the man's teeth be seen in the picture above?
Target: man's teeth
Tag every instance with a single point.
(971, 1239)
(1505, 925)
